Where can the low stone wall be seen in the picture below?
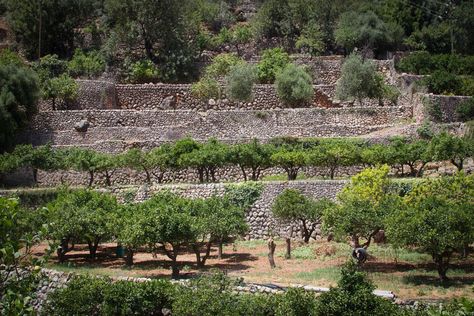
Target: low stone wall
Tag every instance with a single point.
(446, 106)
(92, 94)
(160, 126)
(259, 216)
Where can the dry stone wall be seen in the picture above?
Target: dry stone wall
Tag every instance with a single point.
(259, 216)
(446, 106)
(127, 126)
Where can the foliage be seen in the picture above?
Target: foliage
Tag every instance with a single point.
(86, 160)
(366, 31)
(206, 88)
(18, 98)
(57, 27)
(89, 65)
(424, 63)
(253, 156)
(465, 110)
(9, 57)
(362, 207)
(222, 64)
(442, 82)
(292, 205)
(244, 195)
(445, 146)
(359, 79)
(294, 85)
(240, 82)
(63, 88)
(272, 62)
(81, 216)
(353, 296)
(290, 160)
(142, 71)
(311, 40)
(440, 212)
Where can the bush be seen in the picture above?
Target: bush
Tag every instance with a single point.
(423, 63)
(206, 88)
(222, 64)
(142, 71)
(353, 296)
(294, 85)
(442, 82)
(465, 110)
(88, 65)
(273, 62)
(240, 82)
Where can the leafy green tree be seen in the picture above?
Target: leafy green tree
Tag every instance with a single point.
(292, 205)
(272, 62)
(445, 146)
(159, 159)
(362, 207)
(240, 82)
(334, 153)
(107, 165)
(83, 160)
(171, 226)
(129, 229)
(206, 159)
(63, 88)
(377, 154)
(465, 110)
(147, 22)
(36, 158)
(138, 160)
(311, 40)
(366, 31)
(47, 27)
(89, 65)
(222, 64)
(294, 85)
(437, 218)
(18, 101)
(81, 216)
(412, 153)
(290, 160)
(241, 35)
(359, 79)
(253, 156)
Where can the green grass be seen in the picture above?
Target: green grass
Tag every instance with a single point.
(302, 252)
(330, 274)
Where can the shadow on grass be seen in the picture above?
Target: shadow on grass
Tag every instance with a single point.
(433, 280)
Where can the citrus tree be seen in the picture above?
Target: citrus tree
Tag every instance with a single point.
(437, 218)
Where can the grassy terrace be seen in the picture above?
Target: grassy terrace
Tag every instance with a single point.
(407, 273)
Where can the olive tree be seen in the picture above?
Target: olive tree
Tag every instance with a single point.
(292, 205)
(437, 218)
(240, 82)
(362, 207)
(294, 85)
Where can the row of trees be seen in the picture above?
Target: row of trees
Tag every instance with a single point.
(289, 154)
(434, 216)
(165, 223)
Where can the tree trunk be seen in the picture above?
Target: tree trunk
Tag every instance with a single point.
(459, 165)
(419, 173)
(442, 265)
(129, 257)
(108, 182)
(63, 249)
(201, 175)
(93, 248)
(219, 248)
(271, 253)
(288, 248)
(306, 233)
(148, 177)
(292, 173)
(355, 241)
(174, 268)
(91, 178)
(35, 175)
(244, 173)
(332, 172)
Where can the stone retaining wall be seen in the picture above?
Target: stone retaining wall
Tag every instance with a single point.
(446, 106)
(161, 126)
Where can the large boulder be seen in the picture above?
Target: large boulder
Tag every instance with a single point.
(82, 126)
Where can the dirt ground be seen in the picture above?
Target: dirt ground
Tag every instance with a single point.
(407, 274)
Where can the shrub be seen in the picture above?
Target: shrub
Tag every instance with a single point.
(88, 65)
(424, 63)
(359, 80)
(63, 88)
(222, 64)
(206, 88)
(294, 85)
(142, 71)
(442, 82)
(353, 297)
(465, 110)
(311, 40)
(240, 82)
(273, 62)
(418, 62)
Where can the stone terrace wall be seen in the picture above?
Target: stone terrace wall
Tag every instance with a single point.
(179, 96)
(259, 217)
(447, 106)
(162, 126)
(92, 94)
